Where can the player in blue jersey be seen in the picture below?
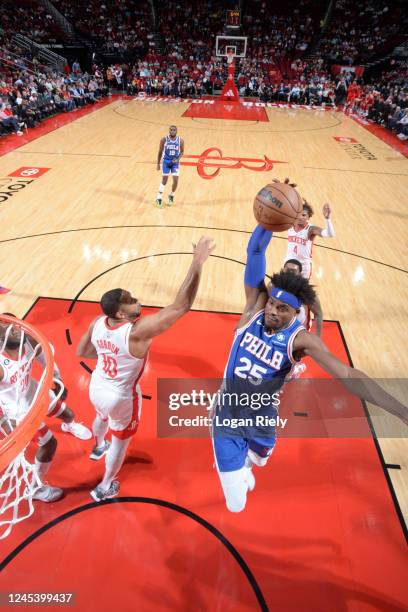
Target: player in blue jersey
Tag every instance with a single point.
(168, 160)
(268, 340)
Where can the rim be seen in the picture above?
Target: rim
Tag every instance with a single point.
(15, 442)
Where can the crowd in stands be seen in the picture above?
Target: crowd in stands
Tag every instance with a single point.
(282, 30)
(30, 92)
(189, 29)
(385, 101)
(275, 69)
(120, 26)
(159, 76)
(29, 18)
(359, 30)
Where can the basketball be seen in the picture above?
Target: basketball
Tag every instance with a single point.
(277, 206)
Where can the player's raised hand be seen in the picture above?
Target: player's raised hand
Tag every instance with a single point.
(326, 211)
(203, 249)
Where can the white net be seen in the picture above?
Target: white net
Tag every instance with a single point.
(19, 392)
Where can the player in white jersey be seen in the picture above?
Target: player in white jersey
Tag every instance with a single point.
(17, 392)
(120, 340)
(302, 235)
(304, 315)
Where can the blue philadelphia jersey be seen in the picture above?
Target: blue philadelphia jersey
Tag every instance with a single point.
(256, 354)
(257, 366)
(171, 150)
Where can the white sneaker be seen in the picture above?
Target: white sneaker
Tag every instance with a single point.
(19, 133)
(250, 479)
(99, 494)
(47, 493)
(78, 430)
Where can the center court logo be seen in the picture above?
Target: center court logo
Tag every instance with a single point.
(210, 163)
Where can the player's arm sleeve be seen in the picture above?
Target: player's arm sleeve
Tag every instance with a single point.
(327, 232)
(355, 381)
(255, 269)
(85, 347)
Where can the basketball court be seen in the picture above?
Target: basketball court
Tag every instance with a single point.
(324, 528)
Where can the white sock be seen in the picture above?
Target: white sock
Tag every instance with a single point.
(99, 429)
(172, 194)
(161, 191)
(114, 460)
(235, 489)
(248, 463)
(41, 467)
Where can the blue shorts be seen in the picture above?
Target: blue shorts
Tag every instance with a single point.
(230, 452)
(169, 167)
(235, 431)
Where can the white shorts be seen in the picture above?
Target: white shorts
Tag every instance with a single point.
(123, 413)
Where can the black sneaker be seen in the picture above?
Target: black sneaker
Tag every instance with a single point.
(99, 451)
(99, 494)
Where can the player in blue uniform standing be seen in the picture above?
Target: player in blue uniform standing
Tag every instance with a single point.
(168, 159)
(268, 340)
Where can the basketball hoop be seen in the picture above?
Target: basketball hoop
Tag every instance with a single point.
(18, 478)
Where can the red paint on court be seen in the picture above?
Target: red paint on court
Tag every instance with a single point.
(319, 533)
(234, 111)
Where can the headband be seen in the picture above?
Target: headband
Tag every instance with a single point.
(286, 297)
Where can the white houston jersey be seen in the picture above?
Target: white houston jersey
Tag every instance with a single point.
(116, 367)
(300, 247)
(304, 317)
(16, 384)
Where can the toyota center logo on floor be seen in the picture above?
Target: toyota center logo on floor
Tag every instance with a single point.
(29, 172)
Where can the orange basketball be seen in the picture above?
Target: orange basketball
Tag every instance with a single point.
(277, 206)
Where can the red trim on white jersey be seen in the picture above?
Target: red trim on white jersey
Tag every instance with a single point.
(133, 425)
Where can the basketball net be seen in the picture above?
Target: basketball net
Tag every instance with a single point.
(20, 417)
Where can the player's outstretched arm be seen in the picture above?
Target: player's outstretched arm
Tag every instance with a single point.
(153, 325)
(354, 380)
(160, 153)
(255, 270)
(85, 347)
(328, 231)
